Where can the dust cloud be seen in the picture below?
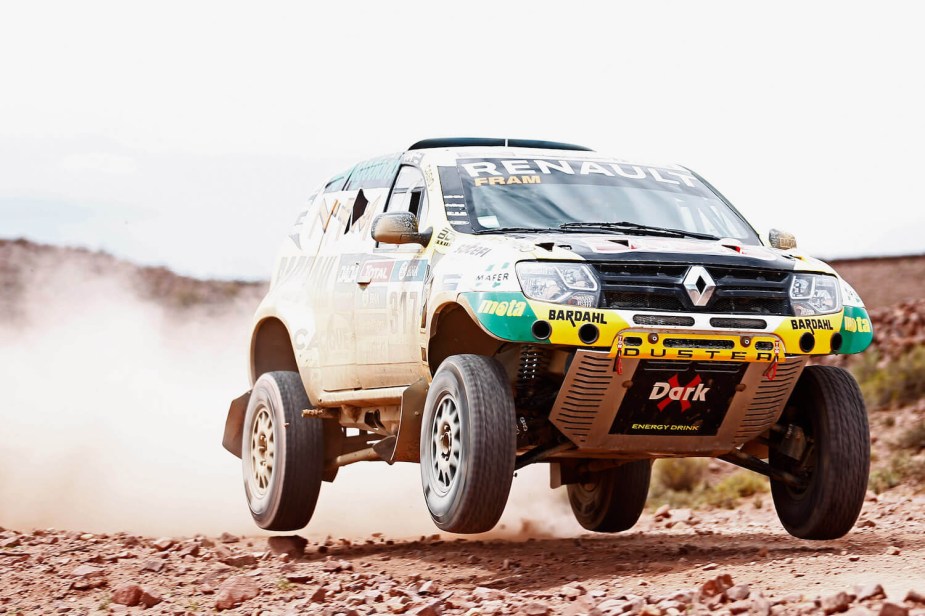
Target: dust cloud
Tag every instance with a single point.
(112, 414)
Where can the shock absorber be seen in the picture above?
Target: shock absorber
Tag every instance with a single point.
(534, 361)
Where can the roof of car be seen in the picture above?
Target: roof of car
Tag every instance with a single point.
(445, 151)
(463, 142)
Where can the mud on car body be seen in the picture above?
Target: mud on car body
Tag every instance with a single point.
(478, 305)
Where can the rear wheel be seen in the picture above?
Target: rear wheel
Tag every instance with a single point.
(611, 500)
(282, 453)
(468, 444)
(834, 464)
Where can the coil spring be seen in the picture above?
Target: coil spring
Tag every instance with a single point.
(533, 363)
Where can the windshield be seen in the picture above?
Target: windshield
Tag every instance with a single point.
(490, 193)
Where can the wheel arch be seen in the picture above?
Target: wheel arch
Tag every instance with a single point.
(454, 331)
(271, 349)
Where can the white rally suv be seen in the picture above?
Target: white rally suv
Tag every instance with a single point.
(477, 305)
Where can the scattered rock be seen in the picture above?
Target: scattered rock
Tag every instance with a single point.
(662, 512)
(240, 560)
(150, 598)
(234, 591)
(87, 577)
(155, 565)
(716, 586)
(319, 596)
(535, 608)
(293, 545)
(163, 544)
(871, 591)
(892, 609)
(428, 588)
(127, 594)
(739, 592)
(915, 597)
(893, 551)
(838, 602)
(11, 542)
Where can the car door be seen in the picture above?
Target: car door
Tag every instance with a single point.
(389, 294)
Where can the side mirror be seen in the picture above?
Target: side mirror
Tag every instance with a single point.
(399, 228)
(782, 240)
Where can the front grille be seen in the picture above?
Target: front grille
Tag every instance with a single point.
(659, 287)
(698, 343)
(661, 319)
(738, 323)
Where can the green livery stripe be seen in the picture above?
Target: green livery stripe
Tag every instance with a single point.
(856, 330)
(505, 315)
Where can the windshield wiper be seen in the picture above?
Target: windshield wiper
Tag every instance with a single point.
(517, 230)
(636, 228)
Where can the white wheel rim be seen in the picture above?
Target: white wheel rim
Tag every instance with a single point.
(446, 445)
(263, 451)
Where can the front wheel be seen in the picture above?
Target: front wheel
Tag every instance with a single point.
(282, 453)
(612, 500)
(828, 408)
(468, 444)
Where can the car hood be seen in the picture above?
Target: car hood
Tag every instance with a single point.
(607, 247)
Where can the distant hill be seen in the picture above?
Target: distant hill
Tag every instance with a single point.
(892, 287)
(23, 262)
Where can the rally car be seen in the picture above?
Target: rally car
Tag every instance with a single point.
(478, 305)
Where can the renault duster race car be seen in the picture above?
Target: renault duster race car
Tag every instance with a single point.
(478, 305)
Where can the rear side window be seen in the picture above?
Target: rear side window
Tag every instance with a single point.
(374, 173)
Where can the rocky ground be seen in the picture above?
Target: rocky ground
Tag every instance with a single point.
(674, 562)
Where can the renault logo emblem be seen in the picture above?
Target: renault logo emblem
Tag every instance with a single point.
(699, 285)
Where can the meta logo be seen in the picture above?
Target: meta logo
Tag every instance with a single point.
(673, 391)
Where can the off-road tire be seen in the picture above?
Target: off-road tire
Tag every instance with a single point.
(611, 500)
(283, 498)
(468, 444)
(827, 404)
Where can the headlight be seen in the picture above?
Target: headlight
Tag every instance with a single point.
(563, 283)
(814, 294)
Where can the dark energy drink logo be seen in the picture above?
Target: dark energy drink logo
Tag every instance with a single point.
(687, 402)
(672, 391)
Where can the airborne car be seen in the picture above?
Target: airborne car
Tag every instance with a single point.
(478, 305)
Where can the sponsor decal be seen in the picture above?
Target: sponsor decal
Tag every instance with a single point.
(293, 267)
(410, 271)
(494, 276)
(503, 170)
(856, 330)
(449, 282)
(710, 354)
(511, 308)
(512, 179)
(445, 237)
(811, 324)
(372, 298)
(505, 314)
(347, 273)
(583, 316)
(475, 250)
(668, 391)
(857, 324)
(376, 271)
(692, 401)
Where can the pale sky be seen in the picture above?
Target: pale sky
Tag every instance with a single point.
(188, 134)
